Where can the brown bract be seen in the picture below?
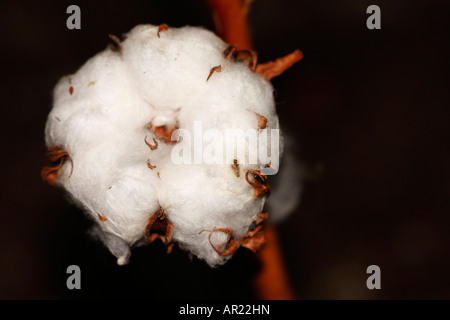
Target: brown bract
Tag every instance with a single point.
(150, 166)
(262, 216)
(235, 168)
(259, 182)
(231, 246)
(163, 133)
(248, 57)
(253, 239)
(102, 218)
(152, 147)
(214, 69)
(55, 154)
(117, 42)
(229, 51)
(162, 27)
(262, 121)
(159, 227)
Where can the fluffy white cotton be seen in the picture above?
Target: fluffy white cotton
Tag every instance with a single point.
(103, 114)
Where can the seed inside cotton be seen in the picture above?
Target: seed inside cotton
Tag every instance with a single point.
(115, 119)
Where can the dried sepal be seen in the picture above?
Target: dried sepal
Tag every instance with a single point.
(162, 27)
(214, 69)
(159, 227)
(231, 246)
(102, 218)
(51, 173)
(262, 121)
(262, 216)
(235, 168)
(170, 247)
(116, 41)
(164, 133)
(259, 182)
(152, 147)
(54, 153)
(271, 69)
(229, 52)
(150, 166)
(249, 57)
(254, 239)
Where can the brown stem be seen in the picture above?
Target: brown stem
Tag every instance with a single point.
(272, 282)
(230, 21)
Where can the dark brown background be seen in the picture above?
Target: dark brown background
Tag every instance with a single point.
(369, 110)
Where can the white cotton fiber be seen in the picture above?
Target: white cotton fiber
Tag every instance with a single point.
(107, 113)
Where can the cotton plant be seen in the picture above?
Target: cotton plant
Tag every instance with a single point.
(118, 124)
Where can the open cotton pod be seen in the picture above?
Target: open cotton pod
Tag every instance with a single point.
(168, 135)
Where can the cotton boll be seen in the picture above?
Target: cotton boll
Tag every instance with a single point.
(124, 194)
(171, 70)
(115, 117)
(205, 198)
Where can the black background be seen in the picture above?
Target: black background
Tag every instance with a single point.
(368, 108)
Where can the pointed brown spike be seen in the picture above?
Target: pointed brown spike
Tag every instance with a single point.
(54, 154)
(149, 165)
(102, 218)
(260, 182)
(235, 168)
(254, 240)
(270, 70)
(116, 40)
(152, 147)
(162, 27)
(229, 51)
(248, 57)
(71, 168)
(214, 69)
